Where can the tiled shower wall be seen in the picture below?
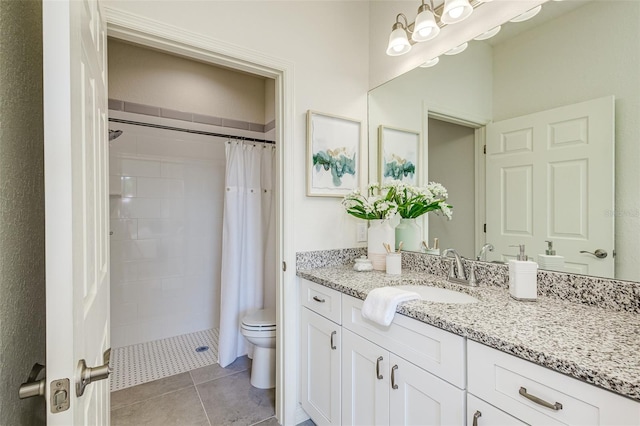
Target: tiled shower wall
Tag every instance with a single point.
(166, 223)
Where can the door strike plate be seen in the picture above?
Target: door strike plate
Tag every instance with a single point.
(59, 394)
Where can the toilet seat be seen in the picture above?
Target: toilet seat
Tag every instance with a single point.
(260, 320)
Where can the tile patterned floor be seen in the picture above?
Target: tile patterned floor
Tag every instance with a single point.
(137, 364)
(207, 396)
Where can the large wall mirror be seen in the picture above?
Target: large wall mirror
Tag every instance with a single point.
(556, 101)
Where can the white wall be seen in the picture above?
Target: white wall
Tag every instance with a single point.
(22, 269)
(150, 77)
(328, 44)
(531, 74)
(167, 232)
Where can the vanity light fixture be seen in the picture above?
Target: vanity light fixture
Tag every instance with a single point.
(398, 41)
(488, 34)
(427, 23)
(457, 49)
(431, 62)
(456, 11)
(527, 15)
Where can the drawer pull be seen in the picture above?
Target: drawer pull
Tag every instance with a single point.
(378, 368)
(317, 299)
(557, 406)
(333, 333)
(393, 377)
(476, 415)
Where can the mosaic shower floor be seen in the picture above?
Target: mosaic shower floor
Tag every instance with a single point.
(145, 362)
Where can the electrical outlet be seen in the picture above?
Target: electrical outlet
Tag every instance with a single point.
(361, 233)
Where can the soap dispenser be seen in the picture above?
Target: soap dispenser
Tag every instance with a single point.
(523, 275)
(549, 260)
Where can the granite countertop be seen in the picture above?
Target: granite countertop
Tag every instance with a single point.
(596, 345)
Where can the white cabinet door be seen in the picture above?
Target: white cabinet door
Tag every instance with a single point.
(550, 176)
(320, 368)
(365, 382)
(419, 398)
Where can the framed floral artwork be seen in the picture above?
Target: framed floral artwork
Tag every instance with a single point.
(399, 155)
(333, 155)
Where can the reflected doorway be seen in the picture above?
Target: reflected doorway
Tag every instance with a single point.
(451, 162)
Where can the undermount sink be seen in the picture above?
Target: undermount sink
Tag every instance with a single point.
(440, 295)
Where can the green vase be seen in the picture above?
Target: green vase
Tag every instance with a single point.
(410, 233)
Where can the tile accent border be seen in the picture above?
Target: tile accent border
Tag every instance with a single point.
(118, 105)
(611, 294)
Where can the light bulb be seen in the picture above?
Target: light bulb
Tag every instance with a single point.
(527, 15)
(425, 32)
(456, 12)
(430, 62)
(488, 34)
(457, 49)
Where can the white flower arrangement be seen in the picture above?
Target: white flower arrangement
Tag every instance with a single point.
(396, 197)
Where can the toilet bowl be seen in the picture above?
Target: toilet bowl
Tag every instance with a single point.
(259, 328)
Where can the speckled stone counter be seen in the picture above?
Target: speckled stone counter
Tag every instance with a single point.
(599, 346)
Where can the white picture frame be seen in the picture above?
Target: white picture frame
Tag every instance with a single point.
(399, 155)
(333, 154)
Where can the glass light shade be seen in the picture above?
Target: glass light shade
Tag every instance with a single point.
(455, 11)
(458, 49)
(527, 15)
(431, 62)
(426, 27)
(488, 34)
(398, 42)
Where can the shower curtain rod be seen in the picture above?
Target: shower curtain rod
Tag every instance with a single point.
(198, 132)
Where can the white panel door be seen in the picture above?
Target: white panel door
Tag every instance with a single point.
(76, 204)
(365, 382)
(320, 368)
(420, 398)
(550, 176)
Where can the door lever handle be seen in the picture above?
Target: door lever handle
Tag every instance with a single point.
(33, 387)
(88, 375)
(599, 253)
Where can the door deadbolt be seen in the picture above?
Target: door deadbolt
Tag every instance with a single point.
(88, 375)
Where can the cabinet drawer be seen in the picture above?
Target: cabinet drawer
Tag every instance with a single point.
(439, 352)
(488, 415)
(323, 300)
(499, 379)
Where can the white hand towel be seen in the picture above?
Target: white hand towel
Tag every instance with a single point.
(381, 303)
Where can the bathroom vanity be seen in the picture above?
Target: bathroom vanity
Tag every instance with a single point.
(497, 361)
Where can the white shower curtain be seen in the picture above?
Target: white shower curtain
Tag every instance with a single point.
(248, 247)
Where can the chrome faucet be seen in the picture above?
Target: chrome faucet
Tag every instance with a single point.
(483, 252)
(459, 275)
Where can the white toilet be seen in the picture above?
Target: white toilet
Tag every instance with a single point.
(259, 328)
